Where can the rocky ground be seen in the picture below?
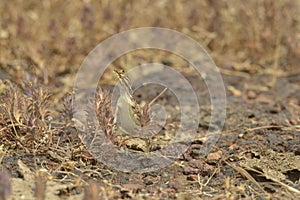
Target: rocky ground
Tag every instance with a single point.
(257, 156)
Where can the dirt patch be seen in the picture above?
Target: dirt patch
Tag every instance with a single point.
(256, 48)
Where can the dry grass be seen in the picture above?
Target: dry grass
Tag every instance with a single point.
(43, 43)
(54, 37)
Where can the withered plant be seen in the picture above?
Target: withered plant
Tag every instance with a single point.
(139, 113)
(104, 112)
(25, 113)
(68, 110)
(40, 185)
(91, 192)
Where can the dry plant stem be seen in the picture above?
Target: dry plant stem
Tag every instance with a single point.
(234, 73)
(276, 58)
(13, 125)
(291, 189)
(5, 185)
(266, 127)
(159, 95)
(295, 128)
(91, 192)
(104, 112)
(140, 114)
(68, 111)
(208, 180)
(245, 174)
(40, 186)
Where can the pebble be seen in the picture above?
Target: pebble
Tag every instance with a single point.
(213, 158)
(198, 164)
(187, 170)
(234, 147)
(251, 94)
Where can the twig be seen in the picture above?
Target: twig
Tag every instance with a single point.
(276, 58)
(266, 127)
(245, 174)
(155, 98)
(234, 73)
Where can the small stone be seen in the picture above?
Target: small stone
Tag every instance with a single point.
(196, 151)
(187, 170)
(235, 91)
(251, 94)
(192, 177)
(207, 170)
(293, 121)
(137, 144)
(213, 158)
(198, 164)
(170, 190)
(234, 147)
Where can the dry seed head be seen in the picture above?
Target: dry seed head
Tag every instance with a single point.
(104, 112)
(68, 110)
(139, 113)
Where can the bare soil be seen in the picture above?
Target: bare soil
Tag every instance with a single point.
(258, 154)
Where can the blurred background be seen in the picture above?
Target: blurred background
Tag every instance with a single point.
(50, 38)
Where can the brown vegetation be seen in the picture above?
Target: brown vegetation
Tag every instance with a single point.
(42, 44)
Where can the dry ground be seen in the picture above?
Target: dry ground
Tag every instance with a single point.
(255, 44)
